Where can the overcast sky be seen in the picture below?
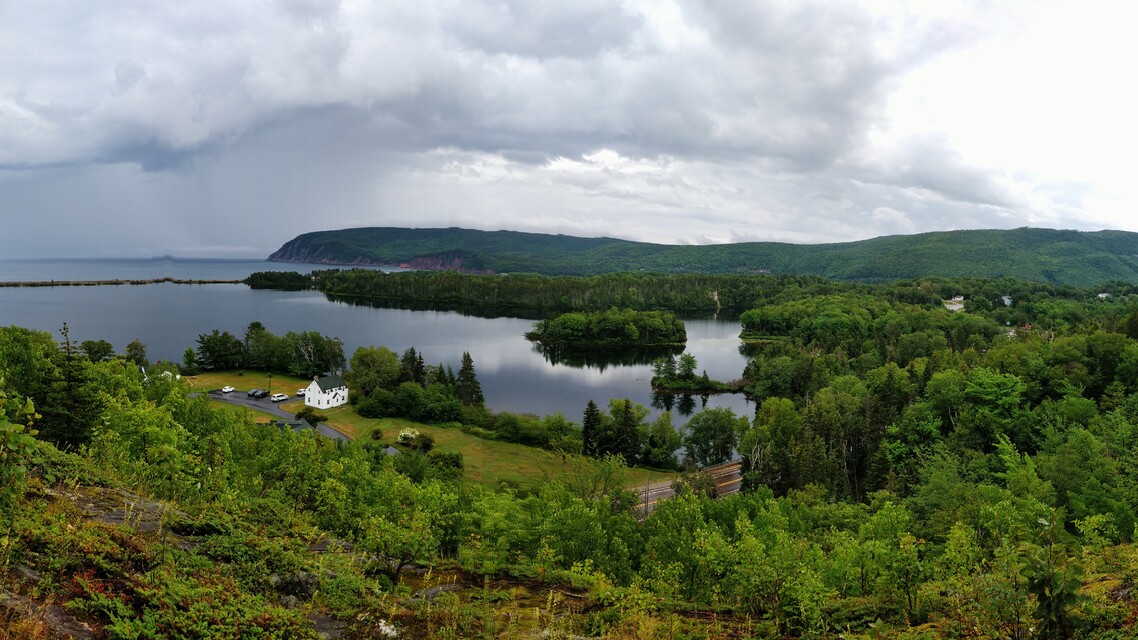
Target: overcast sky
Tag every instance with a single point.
(224, 129)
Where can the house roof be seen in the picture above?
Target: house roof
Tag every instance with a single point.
(295, 425)
(327, 383)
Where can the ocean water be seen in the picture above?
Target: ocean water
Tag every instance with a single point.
(139, 269)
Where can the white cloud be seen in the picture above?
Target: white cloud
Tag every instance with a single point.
(671, 121)
(888, 218)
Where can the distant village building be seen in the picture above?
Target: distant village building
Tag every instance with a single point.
(326, 392)
(955, 304)
(1103, 296)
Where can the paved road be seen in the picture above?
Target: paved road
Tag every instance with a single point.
(728, 478)
(270, 407)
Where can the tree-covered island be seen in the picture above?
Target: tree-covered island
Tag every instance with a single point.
(614, 328)
(678, 375)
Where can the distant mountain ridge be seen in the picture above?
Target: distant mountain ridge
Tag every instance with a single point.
(1080, 258)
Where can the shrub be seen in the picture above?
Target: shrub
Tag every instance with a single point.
(311, 415)
(380, 404)
(448, 465)
(423, 442)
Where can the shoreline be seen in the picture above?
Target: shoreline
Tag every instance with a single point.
(99, 283)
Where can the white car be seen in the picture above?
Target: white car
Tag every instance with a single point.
(300, 392)
(227, 389)
(279, 397)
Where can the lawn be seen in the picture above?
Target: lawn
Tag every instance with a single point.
(487, 461)
(245, 380)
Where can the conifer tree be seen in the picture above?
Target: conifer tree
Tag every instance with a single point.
(467, 388)
(625, 438)
(590, 426)
(412, 368)
(71, 408)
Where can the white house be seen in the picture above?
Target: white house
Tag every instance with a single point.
(326, 392)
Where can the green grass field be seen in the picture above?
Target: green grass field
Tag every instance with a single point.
(488, 462)
(245, 380)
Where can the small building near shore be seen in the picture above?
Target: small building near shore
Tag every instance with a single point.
(326, 392)
(295, 425)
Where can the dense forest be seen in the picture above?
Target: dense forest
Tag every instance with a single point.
(910, 471)
(611, 328)
(1043, 255)
(538, 295)
(304, 354)
(531, 295)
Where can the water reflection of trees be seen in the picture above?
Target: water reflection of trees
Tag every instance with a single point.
(436, 305)
(683, 404)
(602, 359)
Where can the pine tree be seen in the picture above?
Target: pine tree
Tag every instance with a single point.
(685, 370)
(407, 365)
(71, 408)
(590, 426)
(626, 437)
(412, 368)
(467, 388)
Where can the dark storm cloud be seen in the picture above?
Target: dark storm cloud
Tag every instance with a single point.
(797, 82)
(243, 124)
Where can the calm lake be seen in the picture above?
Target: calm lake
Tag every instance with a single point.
(167, 318)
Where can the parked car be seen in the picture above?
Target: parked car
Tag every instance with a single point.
(261, 393)
(252, 393)
(300, 392)
(279, 397)
(227, 389)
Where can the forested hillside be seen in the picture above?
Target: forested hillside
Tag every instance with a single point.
(1043, 255)
(909, 472)
(538, 296)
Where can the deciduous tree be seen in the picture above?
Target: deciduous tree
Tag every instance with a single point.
(97, 350)
(220, 350)
(662, 443)
(136, 353)
(372, 368)
(711, 436)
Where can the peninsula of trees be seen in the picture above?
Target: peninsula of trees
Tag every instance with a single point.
(1042, 255)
